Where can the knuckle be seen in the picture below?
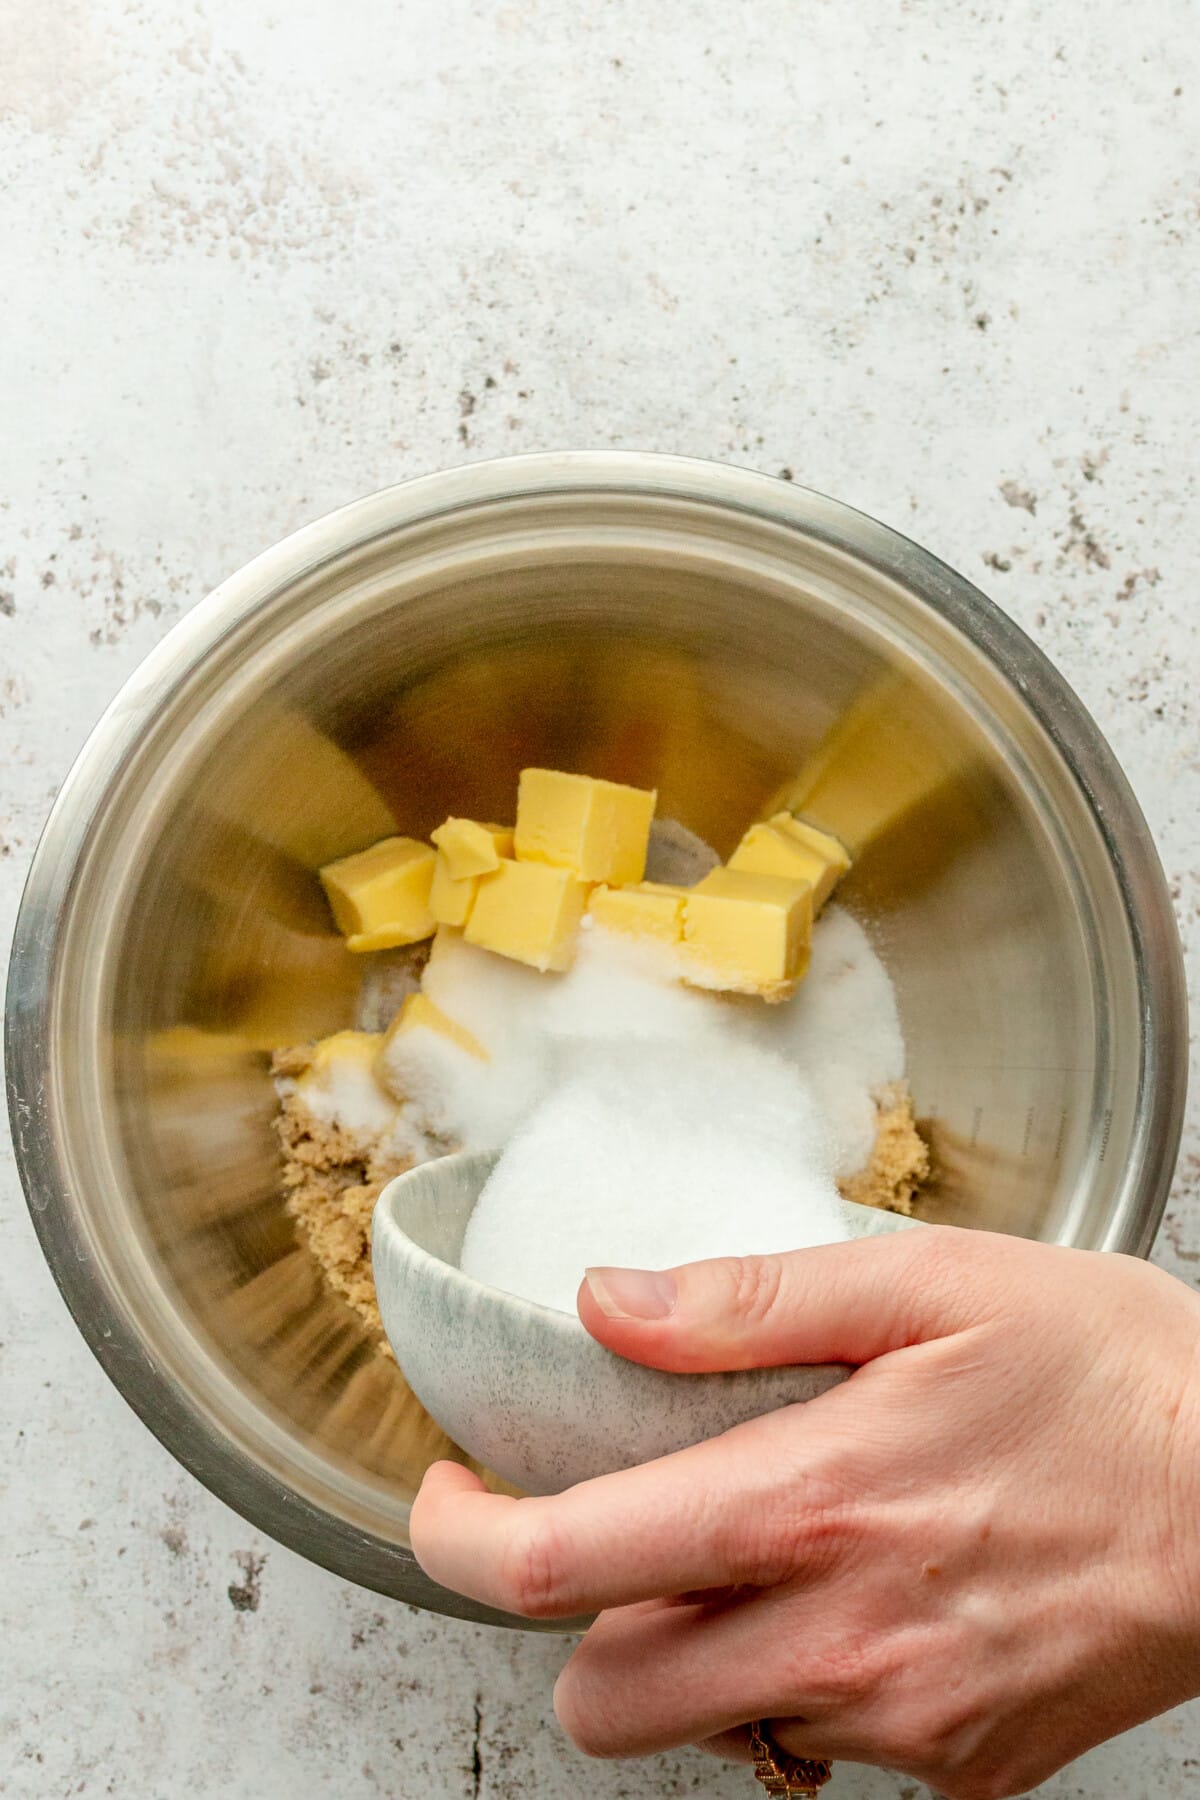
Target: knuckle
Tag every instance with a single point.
(907, 1747)
(754, 1284)
(839, 1676)
(585, 1722)
(947, 1269)
(756, 1543)
(787, 1521)
(949, 1746)
(533, 1579)
(948, 1255)
(919, 1732)
(854, 1672)
(825, 1526)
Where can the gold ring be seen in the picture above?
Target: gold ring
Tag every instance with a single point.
(787, 1777)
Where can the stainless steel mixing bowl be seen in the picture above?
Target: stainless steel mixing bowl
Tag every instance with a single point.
(726, 637)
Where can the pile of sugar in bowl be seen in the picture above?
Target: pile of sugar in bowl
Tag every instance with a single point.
(640, 1121)
(645, 1124)
(639, 1118)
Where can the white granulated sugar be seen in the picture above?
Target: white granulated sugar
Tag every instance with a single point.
(843, 1030)
(661, 1153)
(477, 1104)
(436, 1077)
(343, 1091)
(532, 1026)
(459, 1099)
(620, 988)
(837, 1039)
(489, 994)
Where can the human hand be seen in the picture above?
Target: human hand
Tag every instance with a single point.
(971, 1562)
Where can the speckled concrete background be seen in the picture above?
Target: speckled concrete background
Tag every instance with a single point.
(940, 261)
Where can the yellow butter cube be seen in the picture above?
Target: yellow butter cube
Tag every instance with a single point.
(450, 901)
(380, 897)
(530, 912)
(598, 829)
(651, 909)
(356, 1047)
(820, 844)
(472, 849)
(419, 1013)
(747, 933)
(788, 847)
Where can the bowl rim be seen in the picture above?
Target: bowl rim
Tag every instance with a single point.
(197, 1442)
(567, 1326)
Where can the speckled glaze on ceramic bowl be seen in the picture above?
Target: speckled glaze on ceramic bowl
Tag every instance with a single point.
(523, 1387)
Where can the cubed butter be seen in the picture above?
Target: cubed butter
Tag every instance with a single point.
(343, 1049)
(419, 1013)
(651, 909)
(788, 847)
(380, 897)
(450, 901)
(600, 830)
(530, 912)
(747, 933)
(472, 849)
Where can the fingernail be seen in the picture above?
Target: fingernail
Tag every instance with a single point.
(632, 1293)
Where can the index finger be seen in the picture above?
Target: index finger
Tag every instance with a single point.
(742, 1509)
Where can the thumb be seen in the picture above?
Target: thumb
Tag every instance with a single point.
(839, 1303)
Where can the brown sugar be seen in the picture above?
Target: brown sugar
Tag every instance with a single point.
(899, 1161)
(331, 1181)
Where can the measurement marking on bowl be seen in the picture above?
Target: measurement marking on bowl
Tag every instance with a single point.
(1030, 1116)
(1062, 1135)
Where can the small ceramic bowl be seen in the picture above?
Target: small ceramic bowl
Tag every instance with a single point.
(523, 1388)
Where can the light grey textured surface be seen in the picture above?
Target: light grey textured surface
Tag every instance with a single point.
(941, 262)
